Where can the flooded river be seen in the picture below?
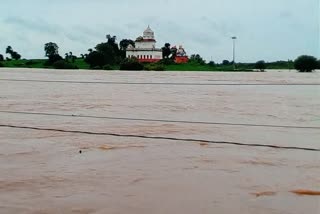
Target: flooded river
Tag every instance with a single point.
(159, 142)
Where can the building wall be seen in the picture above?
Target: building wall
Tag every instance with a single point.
(145, 45)
(145, 55)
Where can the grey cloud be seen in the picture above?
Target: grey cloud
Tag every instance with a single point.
(34, 25)
(202, 26)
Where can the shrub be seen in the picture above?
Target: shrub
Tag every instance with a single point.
(197, 59)
(131, 64)
(261, 65)
(212, 64)
(19, 64)
(61, 64)
(30, 62)
(226, 62)
(154, 67)
(107, 67)
(167, 61)
(95, 59)
(1, 65)
(53, 59)
(305, 63)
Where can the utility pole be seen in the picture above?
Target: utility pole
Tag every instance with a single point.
(234, 38)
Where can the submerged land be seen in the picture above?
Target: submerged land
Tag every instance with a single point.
(84, 142)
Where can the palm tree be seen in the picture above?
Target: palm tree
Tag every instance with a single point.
(9, 50)
(67, 57)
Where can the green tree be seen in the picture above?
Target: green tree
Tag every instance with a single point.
(51, 49)
(1, 58)
(108, 52)
(52, 52)
(261, 65)
(13, 54)
(226, 62)
(212, 63)
(9, 50)
(95, 59)
(306, 63)
(66, 57)
(166, 51)
(124, 44)
(196, 58)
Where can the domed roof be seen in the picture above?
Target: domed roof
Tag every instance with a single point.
(148, 30)
(148, 34)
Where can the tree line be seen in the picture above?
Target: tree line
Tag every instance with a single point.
(107, 54)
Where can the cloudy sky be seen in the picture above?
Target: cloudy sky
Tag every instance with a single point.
(266, 29)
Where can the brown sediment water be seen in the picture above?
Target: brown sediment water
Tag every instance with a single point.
(42, 171)
(306, 192)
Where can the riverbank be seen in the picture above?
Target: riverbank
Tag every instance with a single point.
(81, 64)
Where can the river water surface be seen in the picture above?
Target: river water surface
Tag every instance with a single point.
(53, 161)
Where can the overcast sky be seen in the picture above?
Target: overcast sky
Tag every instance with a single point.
(266, 29)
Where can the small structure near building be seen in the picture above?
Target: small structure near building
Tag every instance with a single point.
(145, 48)
(181, 56)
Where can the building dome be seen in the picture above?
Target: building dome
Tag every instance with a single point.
(148, 34)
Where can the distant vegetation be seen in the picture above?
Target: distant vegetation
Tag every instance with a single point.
(110, 55)
(14, 55)
(260, 65)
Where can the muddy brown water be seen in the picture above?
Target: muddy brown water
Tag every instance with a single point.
(44, 171)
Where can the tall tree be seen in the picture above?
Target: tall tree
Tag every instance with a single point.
(166, 51)
(51, 49)
(9, 50)
(124, 44)
(66, 56)
(13, 54)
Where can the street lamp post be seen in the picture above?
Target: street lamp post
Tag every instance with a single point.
(234, 38)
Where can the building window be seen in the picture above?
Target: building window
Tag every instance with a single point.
(138, 56)
(147, 56)
(150, 56)
(144, 56)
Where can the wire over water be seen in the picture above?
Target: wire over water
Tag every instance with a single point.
(159, 120)
(160, 138)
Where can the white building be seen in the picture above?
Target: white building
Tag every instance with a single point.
(145, 48)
